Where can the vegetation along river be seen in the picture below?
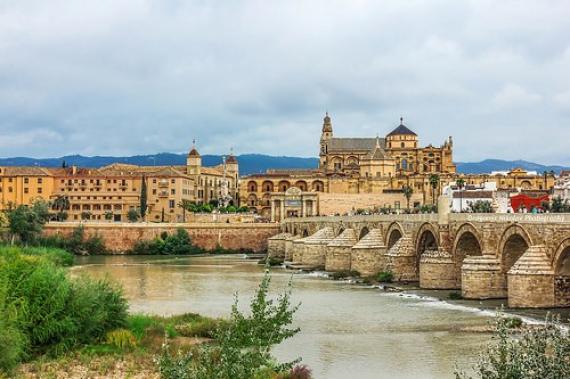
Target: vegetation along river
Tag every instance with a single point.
(346, 330)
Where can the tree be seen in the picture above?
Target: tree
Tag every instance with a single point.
(133, 215)
(61, 204)
(27, 222)
(481, 206)
(559, 205)
(408, 192)
(460, 184)
(143, 205)
(434, 182)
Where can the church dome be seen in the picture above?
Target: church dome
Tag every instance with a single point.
(401, 130)
(193, 153)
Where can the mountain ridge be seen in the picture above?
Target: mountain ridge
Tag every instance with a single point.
(255, 163)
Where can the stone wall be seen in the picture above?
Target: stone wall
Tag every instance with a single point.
(119, 237)
(333, 203)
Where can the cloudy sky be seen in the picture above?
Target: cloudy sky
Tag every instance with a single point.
(122, 77)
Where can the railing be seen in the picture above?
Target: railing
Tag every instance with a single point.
(427, 217)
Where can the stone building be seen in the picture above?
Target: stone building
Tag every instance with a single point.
(361, 173)
(108, 193)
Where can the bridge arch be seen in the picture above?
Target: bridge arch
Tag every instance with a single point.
(562, 274)
(467, 243)
(363, 232)
(394, 233)
(427, 239)
(514, 241)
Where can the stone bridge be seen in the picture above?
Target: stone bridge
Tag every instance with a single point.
(522, 257)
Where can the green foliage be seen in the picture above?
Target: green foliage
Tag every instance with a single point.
(76, 243)
(139, 323)
(143, 198)
(559, 205)
(541, 351)
(27, 222)
(344, 274)
(123, 339)
(210, 207)
(455, 296)
(133, 215)
(202, 327)
(54, 313)
(243, 349)
(385, 276)
(481, 206)
(12, 341)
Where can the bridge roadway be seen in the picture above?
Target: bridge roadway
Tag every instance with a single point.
(522, 257)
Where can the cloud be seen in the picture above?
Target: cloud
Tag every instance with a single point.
(513, 95)
(143, 76)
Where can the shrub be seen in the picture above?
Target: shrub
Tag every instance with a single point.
(139, 323)
(204, 327)
(59, 257)
(11, 339)
(541, 351)
(344, 274)
(56, 313)
(244, 348)
(454, 296)
(385, 276)
(298, 372)
(122, 339)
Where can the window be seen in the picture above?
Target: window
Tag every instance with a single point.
(173, 191)
(402, 145)
(26, 180)
(25, 190)
(337, 165)
(171, 204)
(172, 181)
(39, 189)
(154, 181)
(154, 191)
(40, 180)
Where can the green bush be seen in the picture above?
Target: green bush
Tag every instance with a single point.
(56, 313)
(12, 341)
(455, 296)
(344, 274)
(538, 352)
(385, 277)
(76, 243)
(123, 339)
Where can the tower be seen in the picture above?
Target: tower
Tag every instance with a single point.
(193, 161)
(326, 136)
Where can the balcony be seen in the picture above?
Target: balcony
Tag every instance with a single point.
(163, 193)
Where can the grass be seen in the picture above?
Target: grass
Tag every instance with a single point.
(385, 277)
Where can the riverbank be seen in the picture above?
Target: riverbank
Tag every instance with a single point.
(131, 353)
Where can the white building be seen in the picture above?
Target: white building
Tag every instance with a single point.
(562, 186)
(461, 199)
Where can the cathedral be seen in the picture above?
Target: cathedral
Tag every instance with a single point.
(364, 173)
(396, 154)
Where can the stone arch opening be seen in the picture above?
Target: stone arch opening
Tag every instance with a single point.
(393, 237)
(305, 233)
(363, 232)
(466, 245)
(318, 186)
(267, 186)
(427, 242)
(513, 249)
(302, 185)
(252, 186)
(252, 200)
(562, 275)
(284, 185)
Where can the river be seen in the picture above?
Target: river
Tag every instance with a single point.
(347, 331)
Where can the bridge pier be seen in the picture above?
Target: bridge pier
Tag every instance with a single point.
(276, 245)
(297, 248)
(368, 256)
(482, 278)
(531, 280)
(314, 253)
(289, 247)
(401, 260)
(437, 270)
(338, 256)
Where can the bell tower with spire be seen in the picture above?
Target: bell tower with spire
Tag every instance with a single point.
(326, 136)
(193, 161)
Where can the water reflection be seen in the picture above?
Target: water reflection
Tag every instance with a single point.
(347, 331)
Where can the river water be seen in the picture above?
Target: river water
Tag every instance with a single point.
(347, 331)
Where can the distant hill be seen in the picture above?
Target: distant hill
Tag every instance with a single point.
(253, 163)
(248, 163)
(489, 165)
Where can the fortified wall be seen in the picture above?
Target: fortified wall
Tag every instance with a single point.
(119, 237)
(522, 257)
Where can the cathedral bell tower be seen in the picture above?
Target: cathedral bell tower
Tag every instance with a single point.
(326, 136)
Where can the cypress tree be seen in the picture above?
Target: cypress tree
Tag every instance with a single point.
(143, 206)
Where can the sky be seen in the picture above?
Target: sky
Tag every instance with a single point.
(126, 77)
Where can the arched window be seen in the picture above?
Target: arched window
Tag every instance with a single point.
(402, 145)
(404, 164)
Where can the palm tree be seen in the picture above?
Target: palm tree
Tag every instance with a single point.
(408, 192)
(460, 184)
(434, 182)
(61, 204)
